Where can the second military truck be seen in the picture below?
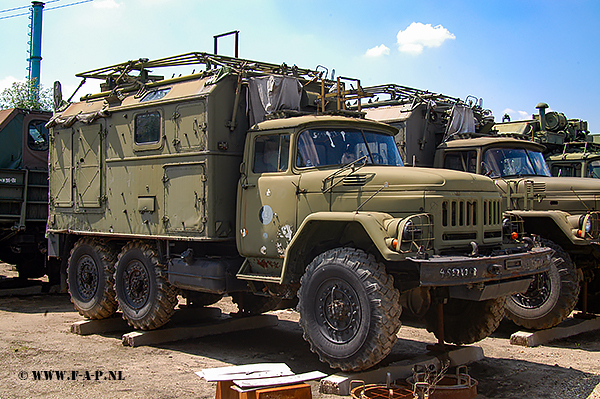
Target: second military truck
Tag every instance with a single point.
(445, 132)
(249, 179)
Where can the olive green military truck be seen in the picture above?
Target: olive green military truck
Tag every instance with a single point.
(24, 191)
(445, 132)
(249, 179)
(569, 148)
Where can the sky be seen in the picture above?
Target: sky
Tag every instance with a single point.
(511, 54)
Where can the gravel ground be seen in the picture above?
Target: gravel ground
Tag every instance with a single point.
(35, 337)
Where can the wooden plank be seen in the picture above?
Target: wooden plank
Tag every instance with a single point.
(225, 325)
(275, 381)
(87, 327)
(245, 371)
(567, 328)
(116, 323)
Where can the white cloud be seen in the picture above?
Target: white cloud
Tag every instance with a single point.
(413, 39)
(107, 4)
(6, 82)
(516, 115)
(378, 51)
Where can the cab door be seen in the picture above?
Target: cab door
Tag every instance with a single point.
(267, 198)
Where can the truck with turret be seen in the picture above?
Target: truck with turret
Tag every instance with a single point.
(445, 132)
(252, 180)
(569, 148)
(24, 191)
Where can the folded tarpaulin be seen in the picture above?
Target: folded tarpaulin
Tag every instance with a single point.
(68, 121)
(269, 94)
(462, 120)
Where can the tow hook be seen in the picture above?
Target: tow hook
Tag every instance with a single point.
(494, 269)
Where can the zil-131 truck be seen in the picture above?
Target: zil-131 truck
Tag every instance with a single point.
(445, 132)
(250, 179)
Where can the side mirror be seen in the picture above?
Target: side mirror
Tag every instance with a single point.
(58, 98)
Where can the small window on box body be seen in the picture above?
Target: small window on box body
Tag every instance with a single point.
(155, 95)
(147, 128)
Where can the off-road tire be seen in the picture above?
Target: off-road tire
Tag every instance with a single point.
(90, 278)
(361, 289)
(466, 321)
(145, 296)
(552, 295)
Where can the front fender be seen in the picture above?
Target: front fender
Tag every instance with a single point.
(558, 226)
(364, 229)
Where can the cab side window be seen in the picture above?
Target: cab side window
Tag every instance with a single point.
(271, 153)
(566, 170)
(464, 161)
(37, 139)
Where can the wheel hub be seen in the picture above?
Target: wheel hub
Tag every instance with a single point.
(537, 293)
(87, 277)
(136, 284)
(338, 311)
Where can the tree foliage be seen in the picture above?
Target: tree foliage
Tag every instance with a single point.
(19, 95)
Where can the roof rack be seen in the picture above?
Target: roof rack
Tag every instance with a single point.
(404, 94)
(119, 71)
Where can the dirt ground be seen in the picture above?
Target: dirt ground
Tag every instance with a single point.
(35, 337)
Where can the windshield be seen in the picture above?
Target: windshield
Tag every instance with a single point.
(514, 162)
(324, 147)
(594, 169)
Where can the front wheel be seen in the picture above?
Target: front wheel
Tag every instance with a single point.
(146, 298)
(552, 295)
(349, 309)
(466, 321)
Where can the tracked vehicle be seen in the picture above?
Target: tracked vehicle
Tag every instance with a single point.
(445, 132)
(250, 179)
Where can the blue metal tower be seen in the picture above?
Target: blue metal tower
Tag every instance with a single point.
(35, 45)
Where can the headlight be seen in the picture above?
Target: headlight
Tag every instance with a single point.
(585, 226)
(585, 223)
(411, 232)
(415, 233)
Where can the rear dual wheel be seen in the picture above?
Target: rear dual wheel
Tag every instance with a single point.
(145, 296)
(90, 272)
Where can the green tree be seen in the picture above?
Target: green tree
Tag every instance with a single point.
(19, 95)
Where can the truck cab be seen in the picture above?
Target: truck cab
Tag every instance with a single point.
(24, 190)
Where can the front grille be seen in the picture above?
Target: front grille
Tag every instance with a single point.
(459, 236)
(491, 212)
(459, 213)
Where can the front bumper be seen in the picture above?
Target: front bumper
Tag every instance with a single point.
(484, 277)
